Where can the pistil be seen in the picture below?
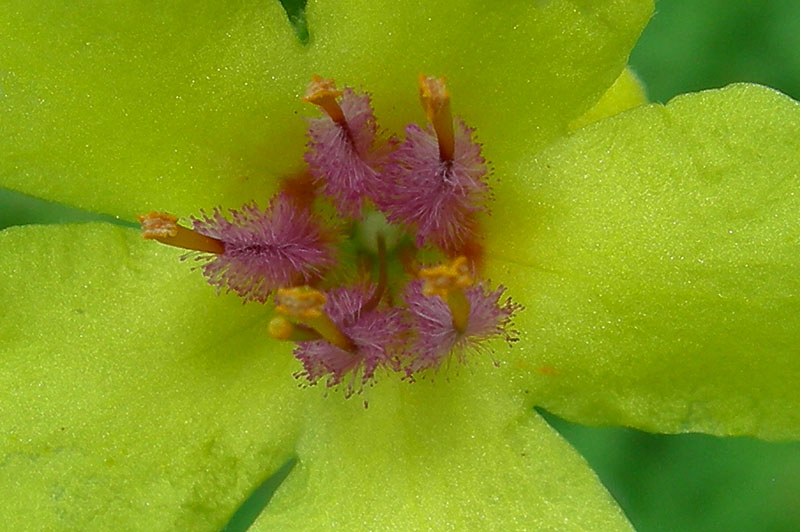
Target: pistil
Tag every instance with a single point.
(306, 305)
(383, 277)
(164, 228)
(448, 282)
(435, 99)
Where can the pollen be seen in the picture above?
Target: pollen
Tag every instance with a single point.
(306, 305)
(300, 302)
(279, 328)
(443, 279)
(158, 225)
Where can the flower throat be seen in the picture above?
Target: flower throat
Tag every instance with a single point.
(397, 219)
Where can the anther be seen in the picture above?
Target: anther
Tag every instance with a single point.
(165, 229)
(279, 328)
(306, 305)
(448, 281)
(302, 302)
(323, 93)
(441, 280)
(435, 99)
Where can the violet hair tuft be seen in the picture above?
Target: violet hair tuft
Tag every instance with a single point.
(346, 159)
(377, 335)
(436, 337)
(439, 198)
(267, 249)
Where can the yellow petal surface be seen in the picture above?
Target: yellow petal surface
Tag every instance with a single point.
(658, 256)
(133, 397)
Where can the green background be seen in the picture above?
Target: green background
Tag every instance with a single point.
(688, 482)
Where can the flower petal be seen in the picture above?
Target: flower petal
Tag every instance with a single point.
(658, 256)
(626, 93)
(451, 455)
(518, 72)
(133, 397)
(122, 108)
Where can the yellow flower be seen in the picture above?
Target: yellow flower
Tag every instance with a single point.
(655, 253)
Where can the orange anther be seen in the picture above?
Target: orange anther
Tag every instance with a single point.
(158, 225)
(300, 302)
(164, 228)
(323, 92)
(435, 99)
(442, 279)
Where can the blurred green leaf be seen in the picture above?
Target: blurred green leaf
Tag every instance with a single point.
(693, 482)
(692, 45)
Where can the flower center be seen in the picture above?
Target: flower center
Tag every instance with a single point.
(367, 288)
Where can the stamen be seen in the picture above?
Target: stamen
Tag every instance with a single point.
(323, 93)
(434, 321)
(164, 228)
(377, 337)
(302, 302)
(306, 305)
(435, 100)
(434, 181)
(279, 328)
(448, 281)
(345, 154)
